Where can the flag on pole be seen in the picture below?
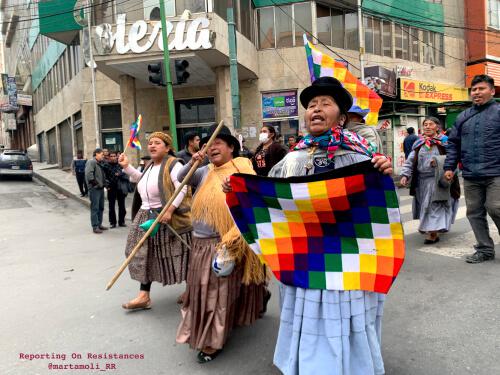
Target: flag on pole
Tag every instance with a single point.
(322, 65)
(133, 141)
(338, 230)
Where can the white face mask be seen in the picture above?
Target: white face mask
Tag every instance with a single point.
(263, 137)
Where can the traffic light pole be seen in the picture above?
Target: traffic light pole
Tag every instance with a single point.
(166, 65)
(233, 67)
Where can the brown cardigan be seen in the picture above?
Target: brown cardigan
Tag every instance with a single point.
(181, 218)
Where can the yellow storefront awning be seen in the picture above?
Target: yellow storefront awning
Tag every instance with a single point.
(431, 92)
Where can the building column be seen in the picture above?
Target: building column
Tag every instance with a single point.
(129, 113)
(223, 104)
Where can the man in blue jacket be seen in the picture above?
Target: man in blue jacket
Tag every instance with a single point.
(475, 142)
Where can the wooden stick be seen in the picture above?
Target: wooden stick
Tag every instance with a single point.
(194, 167)
(178, 236)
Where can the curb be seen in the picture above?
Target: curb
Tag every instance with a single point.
(60, 189)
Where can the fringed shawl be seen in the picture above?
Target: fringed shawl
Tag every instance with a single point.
(209, 206)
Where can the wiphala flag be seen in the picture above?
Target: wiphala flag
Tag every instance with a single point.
(339, 230)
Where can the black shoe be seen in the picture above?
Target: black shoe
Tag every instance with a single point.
(122, 225)
(478, 257)
(430, 242)
(204, 357)
(82, 195)
(113, 226)
(97, 231)
(103, 228)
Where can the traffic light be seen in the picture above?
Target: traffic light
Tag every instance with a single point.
(156, 74)
(180, 71)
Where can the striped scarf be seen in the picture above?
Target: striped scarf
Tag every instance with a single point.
(335, 138)
(428, 142)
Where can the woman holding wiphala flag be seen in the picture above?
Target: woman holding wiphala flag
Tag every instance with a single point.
(329, 228)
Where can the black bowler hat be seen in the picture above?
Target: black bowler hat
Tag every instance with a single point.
(226, 136)
(327, 86)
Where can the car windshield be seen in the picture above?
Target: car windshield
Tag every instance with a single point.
(16, 157)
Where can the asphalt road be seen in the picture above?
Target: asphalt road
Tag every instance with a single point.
(441, 316)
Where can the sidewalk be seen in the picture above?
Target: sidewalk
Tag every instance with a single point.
(65, 183)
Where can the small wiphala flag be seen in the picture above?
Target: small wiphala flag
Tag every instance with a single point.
(339, 230)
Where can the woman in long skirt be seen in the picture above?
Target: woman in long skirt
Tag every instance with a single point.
(436, 214)
(328, 331)
(164, 257)
(214, 304)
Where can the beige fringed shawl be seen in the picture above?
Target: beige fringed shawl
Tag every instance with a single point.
(209, 206)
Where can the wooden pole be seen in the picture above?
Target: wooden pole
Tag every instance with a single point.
(167, 205)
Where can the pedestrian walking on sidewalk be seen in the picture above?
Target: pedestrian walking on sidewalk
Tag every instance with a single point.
(435, 200)
(475, 142)
(214, 304)
(164, 256)
(96, 180)
(117, 186)
(78, 169)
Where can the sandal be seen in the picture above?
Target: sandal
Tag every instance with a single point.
(204, 357)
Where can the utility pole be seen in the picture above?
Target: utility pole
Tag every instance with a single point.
(233, 66)
(166, 65)
(361, 37)
(92, 75)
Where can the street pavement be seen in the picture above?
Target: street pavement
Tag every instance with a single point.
(441, 316)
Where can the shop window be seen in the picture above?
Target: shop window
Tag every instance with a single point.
(289, 21)
(111, 117)
(387, 38)
(265, 19)
(439, 49)
(351, 31)
(337, 28)
(368, 26)
(494, 13)
(324, 24)
(246, 18)
(195, 111)
(377, 36)
(401, 41)
(414, 45)
(428, 47)
(284, 23)
(195, 6)
(303, 21)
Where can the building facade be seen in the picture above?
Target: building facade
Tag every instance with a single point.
(15, 98)
(483, 39)
(410, 56)
(405, 43)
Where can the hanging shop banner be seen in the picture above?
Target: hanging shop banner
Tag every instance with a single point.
(8, 95)
(382, 80)
(24, 99)
(279, 104)
(422, 91)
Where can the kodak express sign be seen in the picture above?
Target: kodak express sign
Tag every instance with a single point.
(422, 91)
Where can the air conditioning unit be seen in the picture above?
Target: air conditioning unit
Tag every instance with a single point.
(403, 120)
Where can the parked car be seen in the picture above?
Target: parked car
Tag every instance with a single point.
(15, 163)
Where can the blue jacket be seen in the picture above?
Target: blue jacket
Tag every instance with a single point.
(475, 141)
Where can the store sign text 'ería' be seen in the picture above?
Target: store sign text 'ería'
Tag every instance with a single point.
(192, 34)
